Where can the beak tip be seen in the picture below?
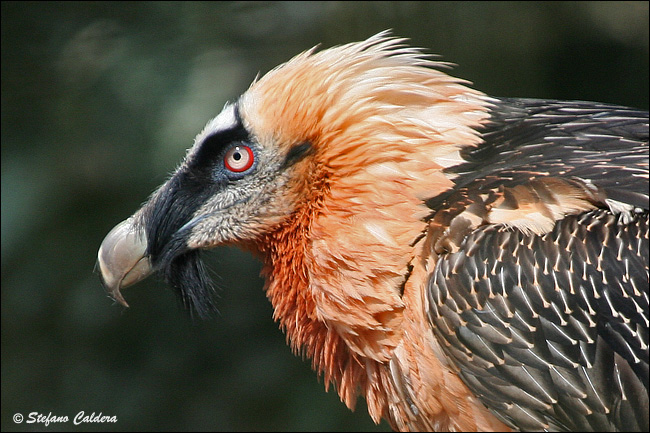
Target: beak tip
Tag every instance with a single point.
(113, 291)
(117, 297)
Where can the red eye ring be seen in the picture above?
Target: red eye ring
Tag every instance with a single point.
(239, 158)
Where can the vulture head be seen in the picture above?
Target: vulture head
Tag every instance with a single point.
(336, 148)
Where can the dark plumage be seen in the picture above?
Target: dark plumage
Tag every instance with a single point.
(550, 340)
(551, 330)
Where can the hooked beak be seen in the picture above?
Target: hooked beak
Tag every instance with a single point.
(122, 259)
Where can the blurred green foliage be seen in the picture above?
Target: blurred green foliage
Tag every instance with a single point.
(100, 101)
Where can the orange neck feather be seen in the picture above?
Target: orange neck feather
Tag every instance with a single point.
(288, 289)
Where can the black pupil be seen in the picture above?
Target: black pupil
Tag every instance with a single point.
(237, 156)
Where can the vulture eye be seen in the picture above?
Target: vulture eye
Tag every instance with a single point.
(239, 158)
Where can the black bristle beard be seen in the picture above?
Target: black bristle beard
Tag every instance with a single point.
(190, 278)
(165, 221)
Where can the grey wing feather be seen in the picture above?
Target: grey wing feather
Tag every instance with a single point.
(549, 339)
(605, 145)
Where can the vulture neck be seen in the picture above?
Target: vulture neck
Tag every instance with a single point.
(366, 337)
(337, 273)
(313, 315)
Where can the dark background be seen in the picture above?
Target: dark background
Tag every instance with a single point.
(100, 101)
